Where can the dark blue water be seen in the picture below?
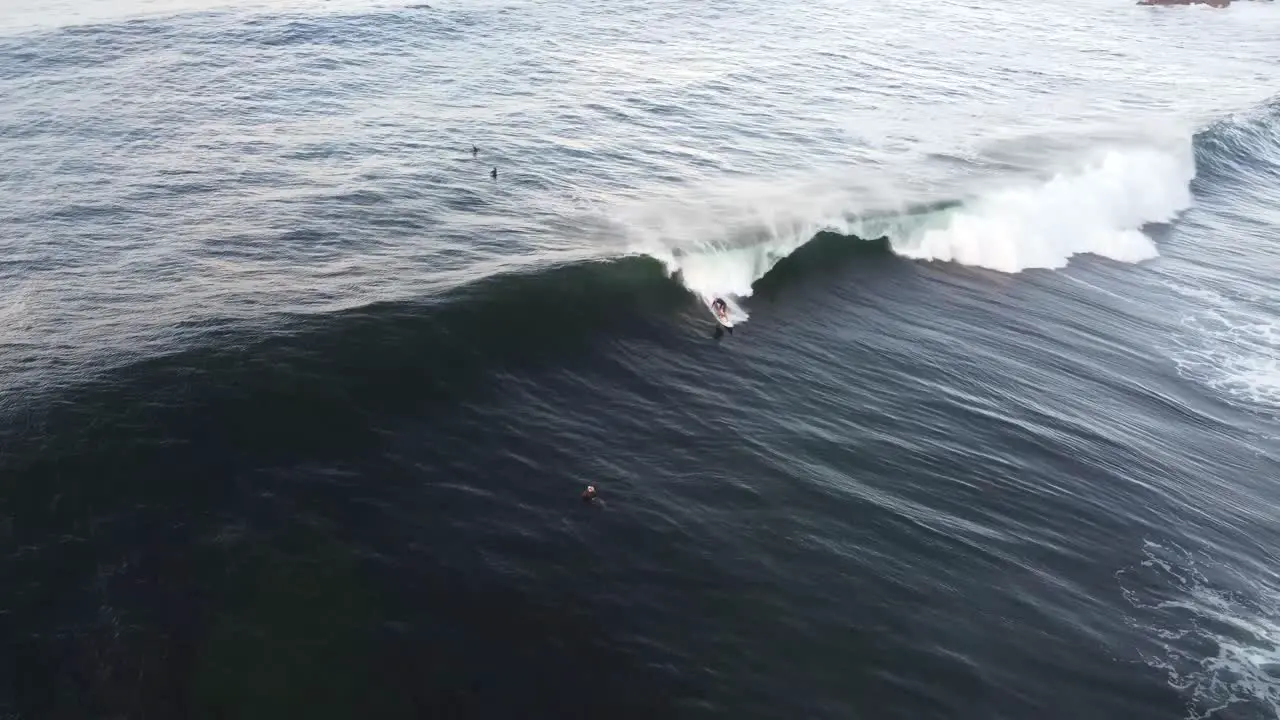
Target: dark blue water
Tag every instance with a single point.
(298, 402)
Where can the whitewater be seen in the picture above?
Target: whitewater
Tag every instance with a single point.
(1098, 203)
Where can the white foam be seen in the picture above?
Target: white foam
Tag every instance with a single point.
(1232, 347)
(1187, 614)
(1099, 208)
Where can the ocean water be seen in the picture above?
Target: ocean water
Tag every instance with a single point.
(296, 401)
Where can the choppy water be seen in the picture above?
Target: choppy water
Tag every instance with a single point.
(298, 400)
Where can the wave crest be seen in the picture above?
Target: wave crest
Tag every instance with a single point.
(1098, 209)
(722, 248)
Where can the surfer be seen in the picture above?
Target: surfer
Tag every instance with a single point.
(474, 150)
(494, 173)
(721, 309)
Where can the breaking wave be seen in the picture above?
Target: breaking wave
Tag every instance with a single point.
(1099, 206)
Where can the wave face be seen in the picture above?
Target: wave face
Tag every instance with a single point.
(1241, 151)
(1229, 339)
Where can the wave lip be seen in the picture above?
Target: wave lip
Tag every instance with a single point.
(1099, 209)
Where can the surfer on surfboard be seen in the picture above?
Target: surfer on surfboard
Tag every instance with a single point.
(721, 309)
